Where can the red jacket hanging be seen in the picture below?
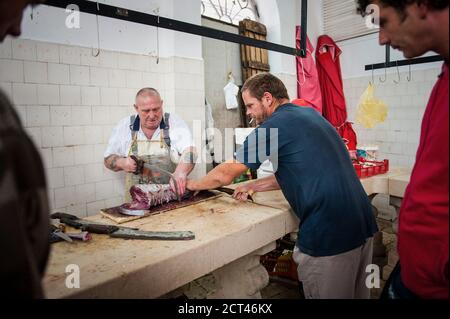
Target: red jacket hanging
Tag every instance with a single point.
(308, 87)
(333, 100)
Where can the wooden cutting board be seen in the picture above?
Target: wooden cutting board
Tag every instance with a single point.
(114, 213)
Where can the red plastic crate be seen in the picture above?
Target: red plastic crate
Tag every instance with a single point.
(374, 168)
(370, 170)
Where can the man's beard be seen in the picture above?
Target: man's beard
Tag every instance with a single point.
(261, 119)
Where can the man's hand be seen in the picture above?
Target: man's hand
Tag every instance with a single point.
(180, 179)
(242, 193)
(128, 164)
(118, 163)
(184, 168)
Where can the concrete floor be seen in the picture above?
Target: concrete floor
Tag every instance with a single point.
(278, 290)
(282, 289)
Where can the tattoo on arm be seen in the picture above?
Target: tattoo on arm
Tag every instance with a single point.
(111, 162)
(189, 157)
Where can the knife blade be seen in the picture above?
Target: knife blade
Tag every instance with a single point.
(153, 235)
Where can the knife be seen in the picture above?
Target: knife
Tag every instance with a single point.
(140, 234)
(120, 232)
(230, 191)
(56, 235)
(188, 194)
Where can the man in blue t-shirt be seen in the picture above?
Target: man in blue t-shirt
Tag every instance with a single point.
(314, 171)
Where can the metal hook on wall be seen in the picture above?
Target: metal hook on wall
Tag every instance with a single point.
(98, 34)
(386, 63)
(398, 74)
(156, 11)
(385, 74)
(409, 77)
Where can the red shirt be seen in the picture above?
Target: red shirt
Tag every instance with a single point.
(423, 222)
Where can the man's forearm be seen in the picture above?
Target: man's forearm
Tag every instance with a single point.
(112, 162)
(184, 169)
(266, 184)
(222, 175)
(187, 162)
(211, 181)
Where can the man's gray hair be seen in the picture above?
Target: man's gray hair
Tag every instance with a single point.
(148, 92)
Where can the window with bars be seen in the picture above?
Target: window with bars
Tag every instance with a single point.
(342, 22)
(230, 11)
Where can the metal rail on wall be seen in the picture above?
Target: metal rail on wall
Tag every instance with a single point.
(392, 64)
(113, 12)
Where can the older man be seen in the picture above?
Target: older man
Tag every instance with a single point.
(158, 138)
(24, 208)
(416, 27)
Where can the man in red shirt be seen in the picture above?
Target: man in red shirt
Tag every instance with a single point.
(416, 27)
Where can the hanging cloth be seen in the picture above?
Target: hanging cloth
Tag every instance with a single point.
(308, 87)
(333, 100)
(371, 110)
(231, 91)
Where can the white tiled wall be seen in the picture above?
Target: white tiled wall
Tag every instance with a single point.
(69, 101)
(398, 136)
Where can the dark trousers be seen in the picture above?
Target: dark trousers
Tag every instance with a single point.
(394, 288)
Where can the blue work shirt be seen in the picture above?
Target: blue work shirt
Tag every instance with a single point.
(316, 175)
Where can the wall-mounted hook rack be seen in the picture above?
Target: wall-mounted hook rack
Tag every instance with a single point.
(114, 12)
(392, 64)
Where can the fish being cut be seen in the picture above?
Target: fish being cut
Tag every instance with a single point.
(145, 196)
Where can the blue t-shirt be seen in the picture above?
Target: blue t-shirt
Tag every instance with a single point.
(316, 175)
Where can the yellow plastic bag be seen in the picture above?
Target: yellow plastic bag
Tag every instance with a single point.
(371, 111)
